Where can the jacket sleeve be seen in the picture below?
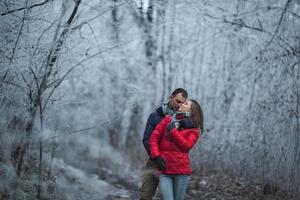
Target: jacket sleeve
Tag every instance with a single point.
(185, 143)
(148, 130)
(155, 138)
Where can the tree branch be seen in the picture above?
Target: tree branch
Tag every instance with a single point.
(52, 56)
(13, 84)
(242, 24)
(74, 12)
(57, 82)
(296, 15)
(19, 34)
(280, 21)
(79, 131)
(19, 9)
(95, 17)
(35, 78)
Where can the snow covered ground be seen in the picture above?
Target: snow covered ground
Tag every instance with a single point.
(75, 184)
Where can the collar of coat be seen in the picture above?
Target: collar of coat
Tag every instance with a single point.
(166, 109)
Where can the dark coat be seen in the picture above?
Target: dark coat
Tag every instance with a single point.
(153, 120)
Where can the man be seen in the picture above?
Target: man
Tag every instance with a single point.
(150, 179)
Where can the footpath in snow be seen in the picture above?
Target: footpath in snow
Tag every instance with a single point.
(76, 185)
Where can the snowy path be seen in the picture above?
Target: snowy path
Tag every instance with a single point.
(75, 184)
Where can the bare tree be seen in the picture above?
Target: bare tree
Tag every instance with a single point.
(40, 93)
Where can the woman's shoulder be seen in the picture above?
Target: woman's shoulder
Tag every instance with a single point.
(167, 118)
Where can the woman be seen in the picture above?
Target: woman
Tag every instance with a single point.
(170, 144)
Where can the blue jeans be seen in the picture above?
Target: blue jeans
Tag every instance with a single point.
(173, 187)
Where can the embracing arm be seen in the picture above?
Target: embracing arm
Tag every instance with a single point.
(156, 136)
(185, 143)
(148, 130)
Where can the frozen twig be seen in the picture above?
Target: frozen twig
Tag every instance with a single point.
(279, 23)
(19, 9)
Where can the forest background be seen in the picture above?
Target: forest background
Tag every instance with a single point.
(78, 80)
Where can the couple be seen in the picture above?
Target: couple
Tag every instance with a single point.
(171, 131)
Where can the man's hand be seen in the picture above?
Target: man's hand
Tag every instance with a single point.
(170, 127)
(181, 124)
(161, 163)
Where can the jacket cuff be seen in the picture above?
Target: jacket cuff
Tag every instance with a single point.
(154, 156)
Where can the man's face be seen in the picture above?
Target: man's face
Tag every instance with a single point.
(176, 101)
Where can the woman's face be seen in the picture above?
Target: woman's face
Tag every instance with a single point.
(185, 107)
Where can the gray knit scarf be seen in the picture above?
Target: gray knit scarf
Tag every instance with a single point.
(166, 110)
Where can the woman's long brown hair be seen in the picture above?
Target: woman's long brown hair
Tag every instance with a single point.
(197, 114)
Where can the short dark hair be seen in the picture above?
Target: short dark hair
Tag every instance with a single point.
(180, 90)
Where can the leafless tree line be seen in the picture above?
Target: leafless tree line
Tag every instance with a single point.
(240, 59)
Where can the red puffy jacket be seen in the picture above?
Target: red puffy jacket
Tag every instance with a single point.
(175, 148)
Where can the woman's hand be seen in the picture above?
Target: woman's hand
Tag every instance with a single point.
(170, 127)
(160, 161)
